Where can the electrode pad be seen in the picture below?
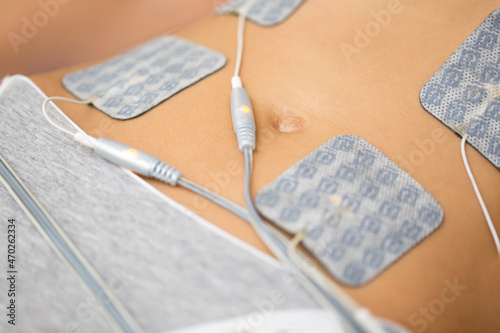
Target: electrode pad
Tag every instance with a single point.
(464, 94)
(263, 12)
(360, 212)
(135, 82)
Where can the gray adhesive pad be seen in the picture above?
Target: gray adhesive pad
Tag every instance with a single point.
(263, 12)
(135, 82)
(361, 211)
(464, 94)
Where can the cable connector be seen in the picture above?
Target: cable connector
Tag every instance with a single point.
(166, 173)
(236, 82)
(243, 119)
(137, 161)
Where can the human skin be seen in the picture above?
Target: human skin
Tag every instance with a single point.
(305, 91)
(81, 31)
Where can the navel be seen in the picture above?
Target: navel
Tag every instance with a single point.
(287, 120)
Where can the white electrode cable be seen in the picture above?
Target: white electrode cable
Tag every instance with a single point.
(240, 35)
(491, 226)
(245, 130)
(240, 41)
(162, 172)
(64, 99)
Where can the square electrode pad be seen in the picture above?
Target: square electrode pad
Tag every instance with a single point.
(263, 12)
(135, 82)
(360, 211)
(464, 94)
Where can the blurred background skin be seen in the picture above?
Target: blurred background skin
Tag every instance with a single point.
(43, 35)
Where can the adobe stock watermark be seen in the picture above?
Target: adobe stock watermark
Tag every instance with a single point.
(31, 26)
(420, 319)
(363, 36)
(106, 126)
(219, 181)
(424, 149)
(267, 308)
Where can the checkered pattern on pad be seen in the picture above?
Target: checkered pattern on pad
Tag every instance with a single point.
(135, 82)
(464, 94)
(360, 210)
(263, 12)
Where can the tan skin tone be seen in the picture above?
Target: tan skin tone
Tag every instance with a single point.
(82, 31)
(305, 92)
